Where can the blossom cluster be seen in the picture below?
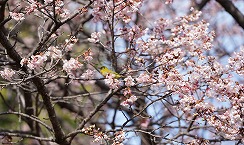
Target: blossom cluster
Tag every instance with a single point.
(95, 36)
(70, 66)
(17, 16)
(47, 8)
(119, 9)
(88, 74)
(130, 101)
(7, 73)
(111, 81)
(36, 61)
(130, 98)
(132, 33)
(88, 55)
(69, 43)
(199, 141)
(55, 53)
(119, 138)
(236, 63)
(100, 137)
(96, 133)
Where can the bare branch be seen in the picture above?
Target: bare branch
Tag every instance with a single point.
(233, 11)
(25, 135)
(30, 117)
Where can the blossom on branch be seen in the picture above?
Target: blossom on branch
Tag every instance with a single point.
(129, 81)
(236, 62)
(69, 43)
(89, 74)
(119, 138)
(7, 73)
(17, 16)
(111, 81)
(36, 61)
(130, 101)
(88, 55)
(71, 65)
(95, 36)
(54, 52)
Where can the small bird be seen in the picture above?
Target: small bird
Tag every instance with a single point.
(105, 71)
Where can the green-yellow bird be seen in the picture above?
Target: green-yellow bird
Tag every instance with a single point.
(105, 71)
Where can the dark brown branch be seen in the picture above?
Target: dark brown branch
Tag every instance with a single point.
(9, 48)
(192, 121)
(2, 9)
(231, 9)
(59, 134)
(29, 110)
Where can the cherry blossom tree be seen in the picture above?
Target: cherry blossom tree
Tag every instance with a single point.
(175, 72)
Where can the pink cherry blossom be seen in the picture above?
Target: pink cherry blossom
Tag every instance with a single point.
(54, 52)
(129, 81)
(236, 62)
(7, 73)
(89, 74)
(69, 43)
(112, 82)
(130, 101)
(17, 16)
(143, 78)
(119, 138)
(168, 2)
(36, 61)
(24, 61)
(127, 91)
(59, 3)
(71, 65)
(98, 135)
(33, 5)
(95, 36)
(88, 55)
(64, 13)
(133, 33)
(48, 1)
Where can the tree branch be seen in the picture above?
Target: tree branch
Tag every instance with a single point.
(24, 135)
(2, 9)
(231, 9)
(30, 117)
